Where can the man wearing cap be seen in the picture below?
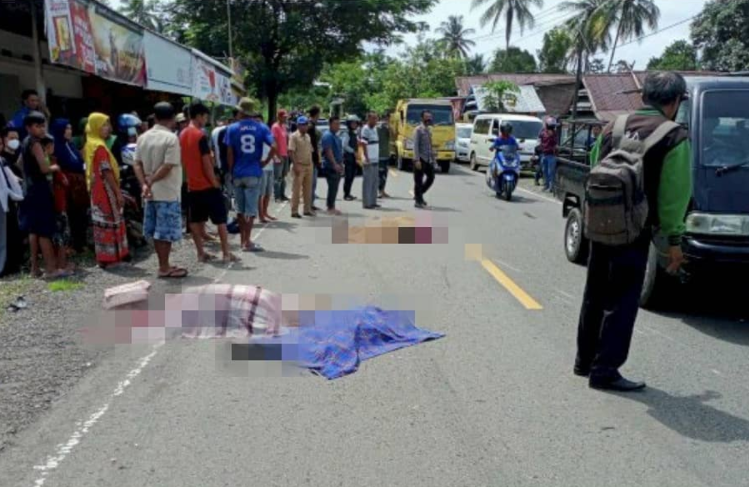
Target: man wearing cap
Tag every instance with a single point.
(245, 140)
(350, 147)
(300, 150)
(281, 164)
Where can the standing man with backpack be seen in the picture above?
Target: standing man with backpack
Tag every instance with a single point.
(639, 188)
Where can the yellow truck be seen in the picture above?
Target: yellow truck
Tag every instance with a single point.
(403, 123)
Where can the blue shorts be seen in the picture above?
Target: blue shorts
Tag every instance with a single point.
(163, 221)
(247, 194)
(269, 179)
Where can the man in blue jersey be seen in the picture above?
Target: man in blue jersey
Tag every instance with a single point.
(244, 140)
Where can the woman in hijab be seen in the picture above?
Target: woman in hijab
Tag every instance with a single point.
(71, 163)
(107, 202)
(11, 243)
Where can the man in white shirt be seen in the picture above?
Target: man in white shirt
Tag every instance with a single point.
(370, 142)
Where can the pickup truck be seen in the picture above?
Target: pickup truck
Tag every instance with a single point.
(716, 243)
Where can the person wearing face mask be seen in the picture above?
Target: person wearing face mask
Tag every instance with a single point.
(424, 160)
(71, 164)
(11, 247)
(11, 149)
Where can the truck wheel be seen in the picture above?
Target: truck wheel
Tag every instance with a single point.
(474, 163)
(658, 284)
(445, 166)
(576, 246)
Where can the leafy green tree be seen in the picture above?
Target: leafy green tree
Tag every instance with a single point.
(589, 29)
(513, 10)
(476, 65)
(631, 17)
(679, 56)
(497, 93)
(147, 13)
(721, 33)
(596, 66)
(513, 60)
(555, 55)
(288, 42)
(455, 36)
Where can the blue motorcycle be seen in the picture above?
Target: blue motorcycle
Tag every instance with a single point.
(503, 173)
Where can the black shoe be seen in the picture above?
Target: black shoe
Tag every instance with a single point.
(581, 371)
(618, 385)
(296, 215)
(314, 208)
(285, 199)
(420, 205)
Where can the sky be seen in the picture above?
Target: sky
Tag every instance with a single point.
(672, 11)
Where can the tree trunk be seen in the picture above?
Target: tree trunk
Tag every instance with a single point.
(613, 49)
(272, 104)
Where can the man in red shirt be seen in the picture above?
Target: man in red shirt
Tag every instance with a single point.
(281, 166)
(206, 200)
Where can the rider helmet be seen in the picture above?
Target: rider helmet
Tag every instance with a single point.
(551, 122)
(505, 128)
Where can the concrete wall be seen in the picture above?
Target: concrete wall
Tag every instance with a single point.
(17, 74)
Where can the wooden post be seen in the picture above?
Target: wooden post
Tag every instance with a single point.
(38, 75)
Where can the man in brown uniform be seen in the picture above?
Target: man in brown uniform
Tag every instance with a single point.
(300, 152)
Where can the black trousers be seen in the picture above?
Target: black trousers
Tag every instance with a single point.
(349, 166)
(421, 186)
(610, 305)
(334, 180)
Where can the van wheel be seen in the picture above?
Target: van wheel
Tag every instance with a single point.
(576, 246)
(658, 286)
(445, 166)
(474, 162)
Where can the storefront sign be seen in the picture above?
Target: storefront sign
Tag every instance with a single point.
(60, 32)
(119, 50)
(210, 83)
(85, 55)
(169, 65)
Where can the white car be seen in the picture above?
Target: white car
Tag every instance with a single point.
(525, 129)
(463, 133)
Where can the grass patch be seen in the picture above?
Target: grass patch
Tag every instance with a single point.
(64, 286)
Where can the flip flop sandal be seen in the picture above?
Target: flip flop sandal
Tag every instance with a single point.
(254, 248)
(207, 258)
(13, 308)
(20, 303)
(233, 259)
(175, 273)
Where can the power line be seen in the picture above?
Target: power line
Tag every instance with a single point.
(659, 31)
(538, 29)
(503, 32)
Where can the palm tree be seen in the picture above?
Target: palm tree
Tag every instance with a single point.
(513, 10)
(589, 27)
(631, 16)
(454, 36)
(476, 65)
(143, 12)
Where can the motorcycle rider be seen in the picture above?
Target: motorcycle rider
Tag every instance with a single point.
(505, 140)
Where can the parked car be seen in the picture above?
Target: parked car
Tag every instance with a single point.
(486, 128)
(463, 133)
(716, 243)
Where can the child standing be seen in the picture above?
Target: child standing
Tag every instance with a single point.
(61, 236)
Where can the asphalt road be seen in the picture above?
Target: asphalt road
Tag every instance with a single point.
(492, 404)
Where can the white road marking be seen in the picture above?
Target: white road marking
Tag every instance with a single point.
(64, 449)
(566, 295)
(508, 266)
(716, 372)
(546, 198)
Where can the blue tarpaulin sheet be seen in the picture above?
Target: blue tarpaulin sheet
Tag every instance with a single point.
(334, 343)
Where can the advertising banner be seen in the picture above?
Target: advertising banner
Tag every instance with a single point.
(169, 66)
(119, 50)
(85, 56)
(60, 32)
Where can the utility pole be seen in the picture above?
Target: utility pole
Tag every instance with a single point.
(578, 81)
(228, 17)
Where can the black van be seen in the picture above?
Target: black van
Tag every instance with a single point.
(717, 239)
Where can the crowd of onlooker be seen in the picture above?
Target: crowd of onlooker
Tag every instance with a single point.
(65, 189)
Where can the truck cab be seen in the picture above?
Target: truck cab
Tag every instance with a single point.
(716, 243)
(403, 123)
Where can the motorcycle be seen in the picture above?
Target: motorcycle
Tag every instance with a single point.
(132, 193)
(503, 173)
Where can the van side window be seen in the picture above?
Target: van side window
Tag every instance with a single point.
(495, 128)
(482, 126)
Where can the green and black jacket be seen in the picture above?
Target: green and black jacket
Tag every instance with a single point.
(668, 171)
